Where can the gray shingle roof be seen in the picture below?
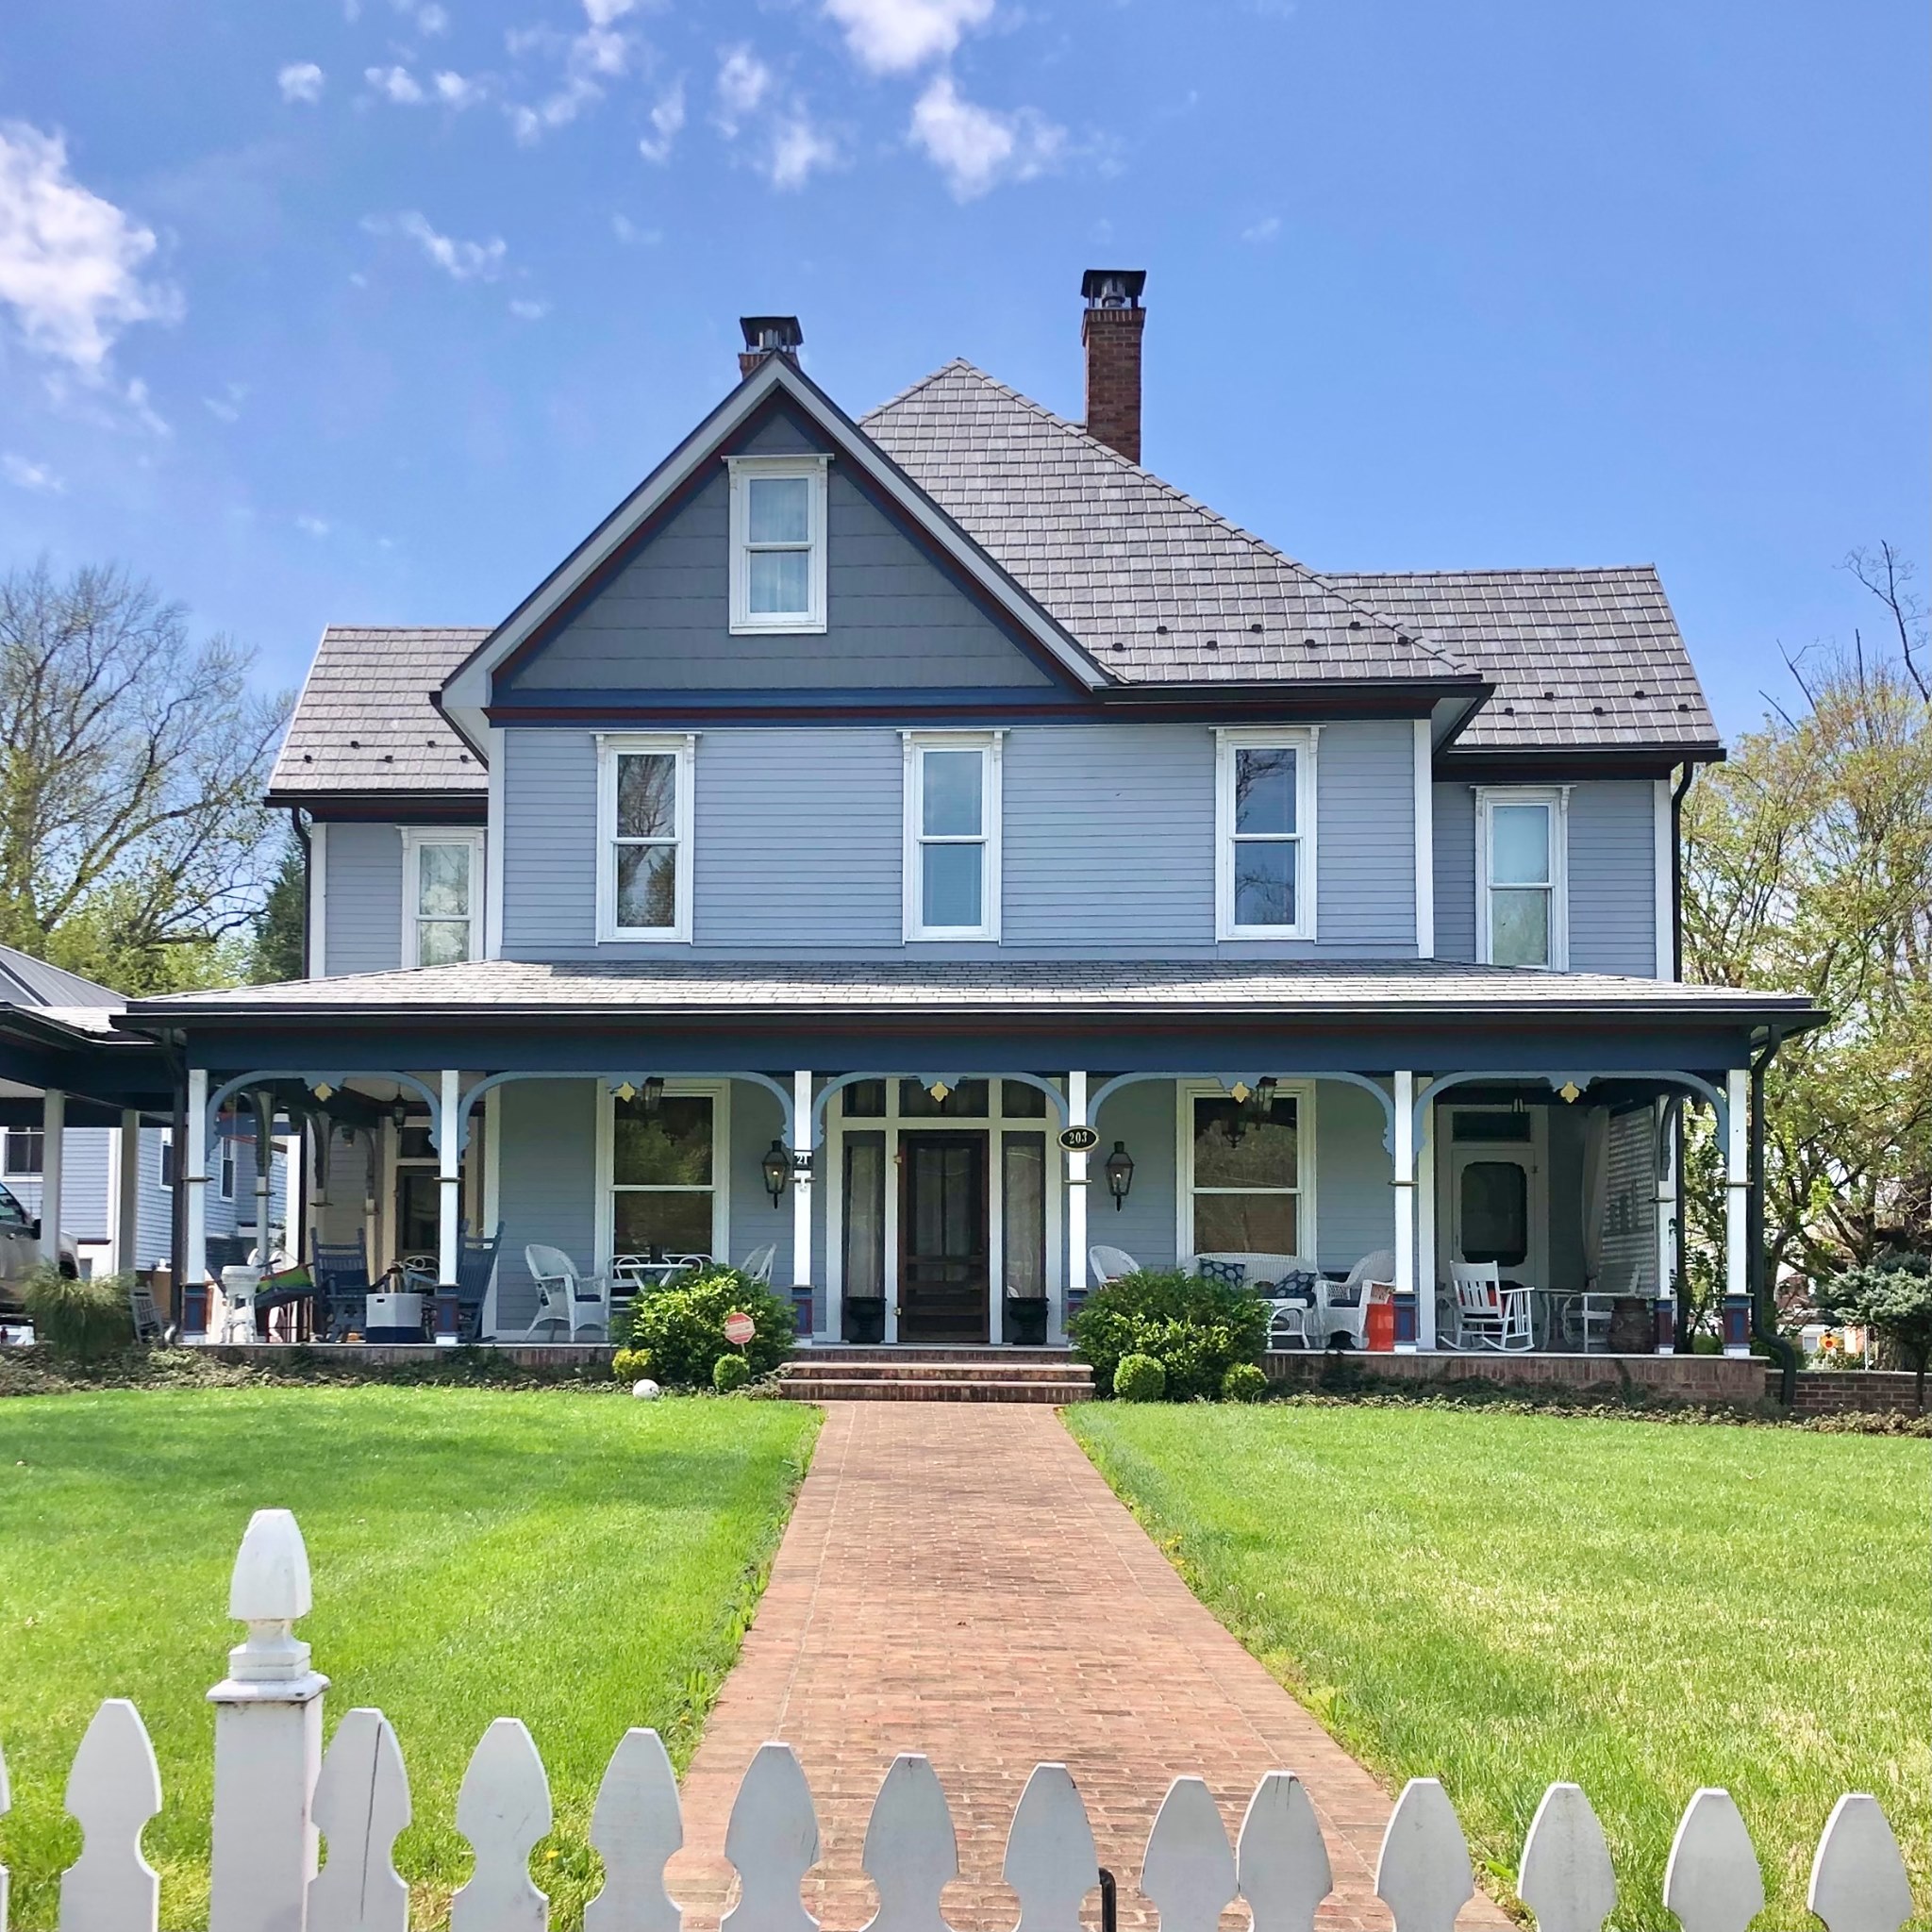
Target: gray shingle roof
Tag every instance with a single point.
(1158, 587)
(1579, 658)
(25, 981)
(509, 987)
(367, 720)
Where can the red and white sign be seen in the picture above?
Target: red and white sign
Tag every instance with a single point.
(738, 1328)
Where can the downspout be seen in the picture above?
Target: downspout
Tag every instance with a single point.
(297, 1217)
(177, 1196)
(1682, 1342)
(295, 819)
(1764, 1315)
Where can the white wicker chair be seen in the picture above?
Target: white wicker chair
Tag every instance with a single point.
(566, 1299)
(1107, 1264)
(1345, 1306)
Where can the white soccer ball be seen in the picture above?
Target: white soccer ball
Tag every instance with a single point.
(646, 1390)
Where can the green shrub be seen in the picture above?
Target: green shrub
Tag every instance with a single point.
(85, 1319)
(1138, 1378)
(1197, 1330)
(632, 1364)
(730, 1372)
(682, 1326)
(1892, 1294)
(1245, 1382)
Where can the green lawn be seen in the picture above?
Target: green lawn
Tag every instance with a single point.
(1504, 1601)
(583, 1562)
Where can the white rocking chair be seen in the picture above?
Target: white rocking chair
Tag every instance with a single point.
(1488, 1314)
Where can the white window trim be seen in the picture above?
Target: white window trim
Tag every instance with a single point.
(605, 1231)
(812, 468)
(610, 747)
(229, 1167)
(414, 839)
(317, 962)
(1186, 1092)
(1301, 739)
(1558, 798)
(164, 1147)
(25, 1173)
(991, 747)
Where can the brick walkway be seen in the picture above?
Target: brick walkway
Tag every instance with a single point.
(958, 1579)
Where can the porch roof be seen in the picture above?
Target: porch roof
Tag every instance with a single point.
(509, 990)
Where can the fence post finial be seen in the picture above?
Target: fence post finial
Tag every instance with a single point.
(1859, 1880)
(1281, 1864)
(1422, 1874)
(1712, 1881)
(1567, 1879)
(773, 1837)
(267, 1740)
(1051, 1862)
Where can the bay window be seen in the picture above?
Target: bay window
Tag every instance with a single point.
(643, 812)
(1265, 834)
(1522, 900)
(952, 856)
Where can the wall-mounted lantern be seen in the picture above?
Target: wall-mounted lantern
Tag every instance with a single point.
(1119, 1173)
(653, 1092)
(777, 1171)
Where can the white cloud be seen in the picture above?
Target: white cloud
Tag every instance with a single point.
(976, 148)
(798, 150)
(632, 235)
(24, 474)
(312, 526)
(300, 80)
(894, 36)
(744, 81)
(526, 309)
(597, 55)
(227, 407)
(602, 12)
(456, 91)
(395, 84)
(1264, 231)
(70, 261)
(462, 261)
(667, 120)
(432, 20)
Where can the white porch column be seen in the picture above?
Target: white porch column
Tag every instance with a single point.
(191, 1171)
(449, 1200)
(1425, 1234)
(125, 1206)
(372, 1170)
(1076, 1211)
(1663, 1319)
(263, 1109)
(1736, 1312)
(801, 1179)
(1404, 1204)
(52, 1166)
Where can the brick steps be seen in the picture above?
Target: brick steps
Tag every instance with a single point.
(1044, 1376)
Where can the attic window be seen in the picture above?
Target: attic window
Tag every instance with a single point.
(778, 543)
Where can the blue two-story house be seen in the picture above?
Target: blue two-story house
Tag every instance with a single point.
(867, 807)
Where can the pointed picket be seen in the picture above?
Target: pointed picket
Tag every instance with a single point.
(1712, 1882)
(1051, 1863)
(361, 1802)
(1859, 1879)
(772, 1839)
(1422, 1874)
(6, 1805)
(1281, 1864)
(1567, 1879)
(503, 1809)
(912, 1852)
(113, 1789)
(635, 1826)
(1189, 1870)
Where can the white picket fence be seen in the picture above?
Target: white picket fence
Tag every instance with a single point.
(274, 1792)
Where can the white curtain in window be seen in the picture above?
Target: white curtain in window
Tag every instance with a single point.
(1596, 1190)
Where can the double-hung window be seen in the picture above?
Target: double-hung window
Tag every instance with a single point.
(951, 861)
(1265, 834)
(230, 1163)
(665, 1164)
(1522, 900)
(1247, 1169)
(26, 1152)
(443, 884)
(644, 837)
(778, 543)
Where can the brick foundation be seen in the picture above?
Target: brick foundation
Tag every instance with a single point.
(1669, 1377)
(1851, 1391)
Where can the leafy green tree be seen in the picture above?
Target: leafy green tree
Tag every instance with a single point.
(134, 845)
(280, 927)
(1892, 1294)
(1807, 867)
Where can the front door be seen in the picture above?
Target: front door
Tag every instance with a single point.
(1496, 1211)
(943, 1257)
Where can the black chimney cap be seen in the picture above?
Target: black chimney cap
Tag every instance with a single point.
(771, 331)
(1113, 288)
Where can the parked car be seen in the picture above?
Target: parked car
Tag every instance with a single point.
(19, 1252)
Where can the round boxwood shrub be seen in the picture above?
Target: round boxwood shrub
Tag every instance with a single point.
(729, 1373)
(1245, 1382)
(682, 1327)
(632, 1364)
(1196, 1330)
(1138, 1378)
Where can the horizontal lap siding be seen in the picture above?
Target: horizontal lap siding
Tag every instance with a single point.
(1455, 872)
(1142, 1115)
(1365, 784)
(1613, 878)
(546, 1185)
(550, 845)
(1354, 1206)
(364, 913)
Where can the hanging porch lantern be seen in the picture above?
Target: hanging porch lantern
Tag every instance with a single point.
(1119, 1173)
(777, 1171)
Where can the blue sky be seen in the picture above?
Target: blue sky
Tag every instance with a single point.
(363, 310)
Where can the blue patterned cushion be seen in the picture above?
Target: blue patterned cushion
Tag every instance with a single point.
(1230, 1274)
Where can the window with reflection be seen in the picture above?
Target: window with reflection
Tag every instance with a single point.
(663, 1173)
(1244, 1175)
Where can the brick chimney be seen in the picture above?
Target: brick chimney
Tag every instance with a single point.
(768, 335)
(1111, 333)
